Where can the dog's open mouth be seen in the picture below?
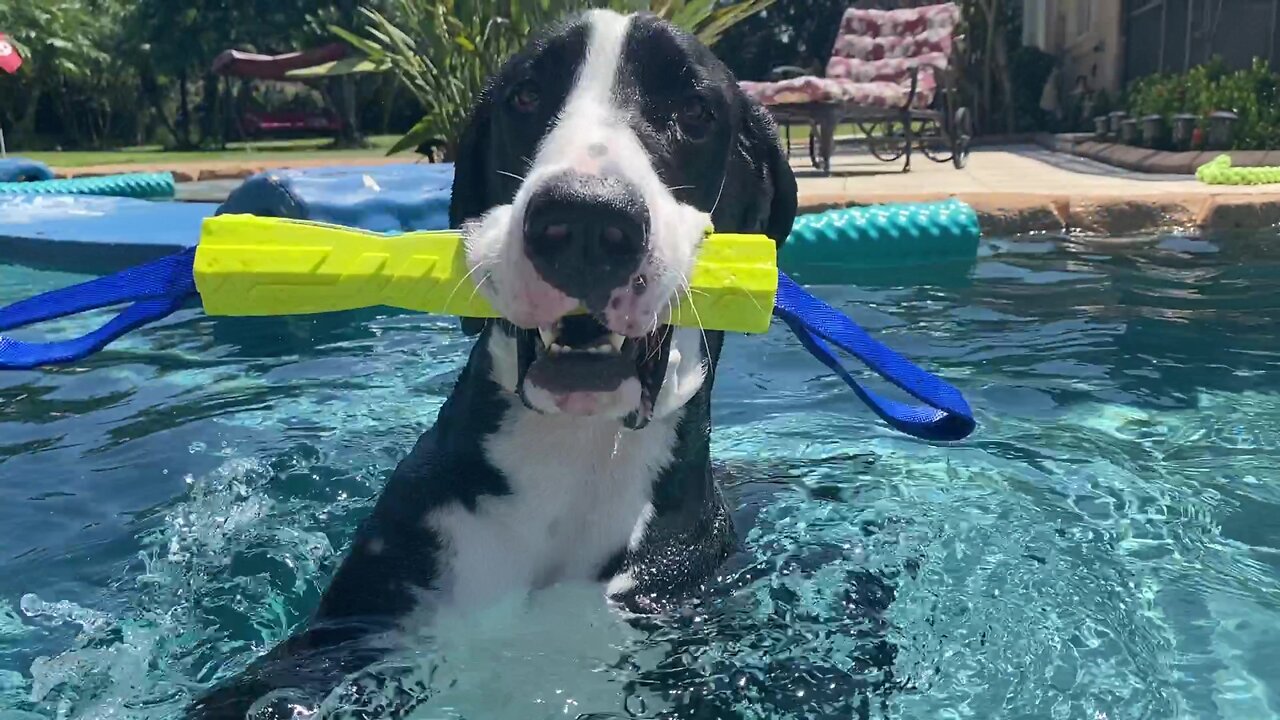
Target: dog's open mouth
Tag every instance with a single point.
(579, 359)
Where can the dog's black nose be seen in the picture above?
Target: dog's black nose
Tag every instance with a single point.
(586, 234)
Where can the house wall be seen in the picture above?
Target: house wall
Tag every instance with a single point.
(1086, 35)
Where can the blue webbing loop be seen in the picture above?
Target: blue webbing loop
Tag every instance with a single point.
(156, 289)
(946, 416)
(159, 288)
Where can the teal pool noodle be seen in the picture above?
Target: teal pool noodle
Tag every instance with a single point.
(882, 236)
(133, 185)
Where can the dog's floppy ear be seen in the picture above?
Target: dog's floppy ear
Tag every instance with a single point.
(766, 179)
(782, 207)
(471, 192)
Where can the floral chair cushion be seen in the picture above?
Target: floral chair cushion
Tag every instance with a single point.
(874, 58)
(869, 93)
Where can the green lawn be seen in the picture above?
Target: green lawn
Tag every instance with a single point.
(252, 151)
(310, 148)
(800, 131)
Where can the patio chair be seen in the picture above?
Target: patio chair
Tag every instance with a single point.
(889, 72)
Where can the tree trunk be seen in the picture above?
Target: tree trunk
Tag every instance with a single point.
(151, 91)
(349, 135)
(184, 112)
(389, 98)
(209, 102)
(26, 126)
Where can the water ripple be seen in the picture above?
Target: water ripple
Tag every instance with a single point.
(1105, 547)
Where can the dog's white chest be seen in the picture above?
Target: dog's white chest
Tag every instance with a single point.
(580, 493)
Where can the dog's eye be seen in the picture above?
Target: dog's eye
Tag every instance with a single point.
(524, 97)
(694, 115)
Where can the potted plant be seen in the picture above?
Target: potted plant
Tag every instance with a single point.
(1184, 125)
(1101, 127)
(1129, 131)
(1153, 130)
(1116, 117)
(1222, 127)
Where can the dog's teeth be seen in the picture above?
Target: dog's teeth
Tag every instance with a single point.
(548, 336)
(616, 341)
(556, 348)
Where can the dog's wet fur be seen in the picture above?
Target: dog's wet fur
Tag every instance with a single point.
(573, 448)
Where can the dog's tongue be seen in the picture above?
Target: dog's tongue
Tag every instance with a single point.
(580, 372)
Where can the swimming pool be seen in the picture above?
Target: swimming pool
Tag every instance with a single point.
(1106, 546)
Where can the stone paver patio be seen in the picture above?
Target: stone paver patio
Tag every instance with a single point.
(1024, 188)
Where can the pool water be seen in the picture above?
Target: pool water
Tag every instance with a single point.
(1106, 546)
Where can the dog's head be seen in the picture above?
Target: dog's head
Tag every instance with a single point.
(593, 164)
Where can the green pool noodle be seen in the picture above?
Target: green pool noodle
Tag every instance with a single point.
(133, 185)
(888, 235)
(1220, 171)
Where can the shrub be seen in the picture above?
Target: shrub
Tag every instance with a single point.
(1253, 94)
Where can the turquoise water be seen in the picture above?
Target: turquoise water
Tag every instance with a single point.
(1107, 545)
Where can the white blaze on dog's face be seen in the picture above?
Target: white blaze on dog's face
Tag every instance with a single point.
(593, 167)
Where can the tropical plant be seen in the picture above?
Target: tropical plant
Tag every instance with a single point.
(67, 47)
(790, 33)
(444, 51)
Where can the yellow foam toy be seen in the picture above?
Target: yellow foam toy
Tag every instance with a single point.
(249, 265)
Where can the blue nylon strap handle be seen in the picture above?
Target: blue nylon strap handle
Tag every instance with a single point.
(156, 289)
(159, 288)
(945, 417)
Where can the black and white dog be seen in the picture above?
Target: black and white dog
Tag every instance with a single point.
(574, 446)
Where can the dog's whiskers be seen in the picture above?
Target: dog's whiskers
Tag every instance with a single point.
(657, 347)
(513, 176)
(460, 283)
(487, 277)
(719, 194)
(686, 286)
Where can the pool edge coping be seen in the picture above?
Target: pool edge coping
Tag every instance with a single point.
(1010, 213)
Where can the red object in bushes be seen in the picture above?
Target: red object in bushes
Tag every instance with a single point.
(10, 60)
(1197, 138)
(261, 123)
(274, 67)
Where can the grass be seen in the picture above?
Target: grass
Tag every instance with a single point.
(271, 150)
(800, 131)
(308, 149)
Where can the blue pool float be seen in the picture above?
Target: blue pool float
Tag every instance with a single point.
(94, 235)
(400, 197)
(16, 170)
